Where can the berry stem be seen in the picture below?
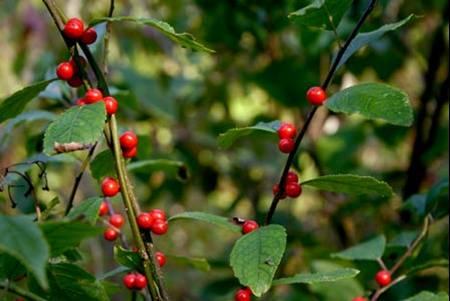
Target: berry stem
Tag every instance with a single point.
(313, 111)
(106, 38)
(12, 288)
(382, 290)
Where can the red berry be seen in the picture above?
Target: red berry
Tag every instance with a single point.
(276, 189)
(116, 220)
(111, 105)
(75, 81)
(103, 210)
(110, 187)
(286, 145)
(145, 221)
(158, 214)
(140, 282)
(383, 278)
(292, 177)
(161, 258)
(74, 28)
(110, 234)
(316, 96)
(89, 36)
(293, 190)
(93, 95)
(129, 281)
(249, 226)
(128, 140)
(359, 299)
(243, 294)
(65, 71)
(80, 102)
(129, 153)
(287, 131)
(160, 227)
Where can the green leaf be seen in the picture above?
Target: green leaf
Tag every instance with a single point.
(366, 38)
(69, 282)
(437, 200)
(428, 296)
(369, 250)
(64, 235)
(374, 101)
(80, 124)
(15, 104)
(185, 40)
(428, 265)
(200, 264)
(324, 14)
(23, 240)
(227, 139)
(127, 258)
(101, 165)
(351, 184)
(336, 275)
(404, 239)
(208, 218)
(11, 268)
(88, 209)
(116, 271)
(255, 257)
(172, 168)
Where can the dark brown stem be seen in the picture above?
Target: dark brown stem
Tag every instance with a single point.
(313, 111)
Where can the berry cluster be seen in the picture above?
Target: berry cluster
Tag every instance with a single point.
(110, 188)
(95, 95)
(70, 72)
(74, 30)
(154, 221)
(134, 281)
(292, 188)
(128, 143)
(287, 133)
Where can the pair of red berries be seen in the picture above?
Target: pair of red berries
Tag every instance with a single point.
(155, 221)
(287, 133)
(249, 226)
(128, 144)
(244, 294)
(116, 221)
(134, 281)
(95, 95)
(69, 72)
(74, 29)
(292, 187)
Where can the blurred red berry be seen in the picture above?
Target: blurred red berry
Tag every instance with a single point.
(103, 210)
(249, 226)
(110, 187)
(383, 278)
(161, 258)
(287, 131)
(89, 36)
(286, 145)
(74, 28)
(129, 281)
(140, 281)
(292, 177)
(316, 96)
(145, 221)
(128, 140)
(110, 234)
(116, 220)
(129, 153)
(93, 96)
(111, 105)
(244, 294)
(158, 214)
(293, 190)
(65, 71)
(160, 227)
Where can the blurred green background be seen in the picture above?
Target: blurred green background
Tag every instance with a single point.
(178, 101)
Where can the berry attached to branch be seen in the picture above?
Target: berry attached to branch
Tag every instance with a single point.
(93, 96)
(65, 71)
(111, 105)
(287, 131)
(383, 278)
(74, 29)
(103, 210)
(110, 234)
(316, 96)
(110, 187)
(145, 221)
(116, 220)
(161, 258)
(89, 36)
(160, 227)
(286, 145)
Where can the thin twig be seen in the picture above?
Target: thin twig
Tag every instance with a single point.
(313, 111)
(382, 290)
(106, 38)
(12, 288)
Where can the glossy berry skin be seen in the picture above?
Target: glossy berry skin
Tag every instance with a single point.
(89, 36)
(129, 281)
(287, 131)
(116, 220)
(128, 140)
(75, 81)
(359, 299)
(65, 71)
(383, 278)
(276, 189)
(103, 210)
(160, 227)
(158, 214)
(316, 96)
(286, 145)
(243, 294)
(249, 226)
(293, 190)
(140, 282)
(93, 96)
(74, 29)
(110, 187)
(145, 221)
(161, 258)
(110, 234)
(129, 153)
(292, 177)
(111, 105)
